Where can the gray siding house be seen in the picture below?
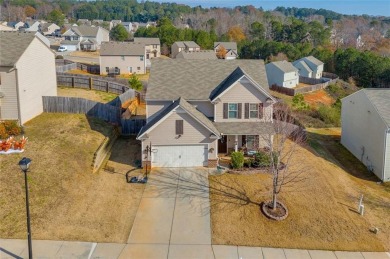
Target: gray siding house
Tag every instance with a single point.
(316, 66)
(282, 73)
(200, 109)
(231, 49)
(183, 45)
(365, 122)
(122, 58)
(26, 74)
(152, 46)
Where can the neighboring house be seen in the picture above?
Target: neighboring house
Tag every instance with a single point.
(88, 37)
(135, 26)
(201, 54)
(114, 23)
(231, 49)
(32, 26)
(152, 46)
(5, 27)
(97, 22)
(303, 68)
(128, 26)
(16, 25)
(198, 109)
(84, 22)
(315, 65)
(282, 73)
(122, 58)
(49, 28)
(183, 45)
(365, 122)
(27, 73)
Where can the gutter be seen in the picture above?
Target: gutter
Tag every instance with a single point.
(17, 94)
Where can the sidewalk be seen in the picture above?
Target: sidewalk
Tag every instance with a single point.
(16, 248)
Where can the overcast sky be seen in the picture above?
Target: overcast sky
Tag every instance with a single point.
(373, 7)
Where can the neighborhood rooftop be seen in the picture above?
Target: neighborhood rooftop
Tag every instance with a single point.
(285, 66)
(147, 41)
(188, 44)
(201, 54)
(226, 45)
(12, 46)
(380, 99)
(113, 48)
(196, 79)
(312, 60)
(86, 31)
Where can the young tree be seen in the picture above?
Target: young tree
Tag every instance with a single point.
(135, 83)
(57, 17)
(221, 52)
(282, 140)
(119, 33)
(30, 11)
(236, 34)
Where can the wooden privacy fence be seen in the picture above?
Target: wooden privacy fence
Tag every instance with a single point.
(132, 126)
(103, 151)
(63, 65)
(79, 105)
(93, 83)
(93, 69)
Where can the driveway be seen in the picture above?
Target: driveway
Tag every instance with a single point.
(173, 218)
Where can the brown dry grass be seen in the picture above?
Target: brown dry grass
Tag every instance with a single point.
(87, 54)
(322, 209)
(318, 97)
(79, 72)
(93, 95)
(67, 201)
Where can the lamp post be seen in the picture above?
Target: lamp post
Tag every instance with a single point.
(24, 165)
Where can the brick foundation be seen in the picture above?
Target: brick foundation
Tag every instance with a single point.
(212, 163)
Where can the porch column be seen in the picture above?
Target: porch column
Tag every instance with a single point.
(236, 143)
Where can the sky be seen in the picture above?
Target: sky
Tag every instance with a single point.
(373, 7)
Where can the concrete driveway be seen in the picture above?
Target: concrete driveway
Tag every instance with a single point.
(173, 219)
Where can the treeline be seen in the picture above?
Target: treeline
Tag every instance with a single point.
(306, 12)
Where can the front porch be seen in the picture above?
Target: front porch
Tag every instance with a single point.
(246, 143)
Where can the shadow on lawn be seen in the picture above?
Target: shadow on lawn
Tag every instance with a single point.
(328, 147)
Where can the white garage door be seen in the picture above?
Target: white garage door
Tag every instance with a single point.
(179, 156)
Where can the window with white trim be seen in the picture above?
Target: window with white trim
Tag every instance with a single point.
(253, 110)
(233, 111)
(251, 141)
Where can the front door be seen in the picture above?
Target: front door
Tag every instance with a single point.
(222, 145)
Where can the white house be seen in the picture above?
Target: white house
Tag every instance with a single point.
(231, 49)
(26, 74)
(315, 65)
(282, 73)
(85, 37)
(365, 122)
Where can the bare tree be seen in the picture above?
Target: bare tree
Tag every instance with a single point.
(282, 139)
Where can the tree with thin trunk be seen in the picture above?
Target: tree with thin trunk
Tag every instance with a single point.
(282, 139)
(221, 52)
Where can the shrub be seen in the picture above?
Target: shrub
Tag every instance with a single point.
(248, 162)
(9, 128)
(299, 102)
(3, 132)
(262, 159)
(330, 115)
(237, 161)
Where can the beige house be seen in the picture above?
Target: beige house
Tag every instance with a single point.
(49, 28)
(231, 49)
(200, 109)
(282, 73)
(152, 46)
(26, 74)
(178, 46)
(85, 37)
(122, 58)
(365, 122)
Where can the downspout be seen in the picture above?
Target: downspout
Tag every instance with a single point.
(387, 131)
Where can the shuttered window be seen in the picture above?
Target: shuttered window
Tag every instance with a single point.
(225, 110)
(233, 110)
(253, 110)
(179, 127)
(246, 115)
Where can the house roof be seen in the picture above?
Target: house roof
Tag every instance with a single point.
(196, 79)
(147, 41)
(188, 44)
(45, 26)
(380, 100)
(115, 48)
(314, 60)
(304, 65)
(227, 45)
(191, 110)
(69, 42)
(227, 82)
(86, 31)
(250, 128)
(284, 66)
(201, 54)
(12, 46)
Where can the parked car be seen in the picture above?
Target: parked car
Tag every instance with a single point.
(62, 49)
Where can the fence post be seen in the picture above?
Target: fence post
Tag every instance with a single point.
(107, 86)
(90, 83)
(72, 81)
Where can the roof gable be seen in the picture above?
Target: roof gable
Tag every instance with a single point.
(284, 66)
(19, 42)
(188, 108)
(380, 99)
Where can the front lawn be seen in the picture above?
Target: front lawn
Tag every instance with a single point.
(322, 209)
(67, 201)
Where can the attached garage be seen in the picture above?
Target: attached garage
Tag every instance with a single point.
(179, 155)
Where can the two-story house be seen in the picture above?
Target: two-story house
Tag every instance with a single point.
(85, 37)
(199, 109)
(178, 46)
(27, 72)
(309, 67)
(152, 46)
(282, 73)
(230, 48)
(122, 58)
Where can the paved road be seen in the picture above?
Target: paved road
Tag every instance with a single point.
(173, 221)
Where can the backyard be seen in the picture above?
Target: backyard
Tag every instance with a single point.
(322, 209)
(67, 200)
(97, 96)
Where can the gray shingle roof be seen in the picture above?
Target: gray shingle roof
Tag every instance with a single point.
(188, 44)
(13, 45)
(225, 84)
(314, 60)
(147, 41)
(70, 42)
(87, 31)
(188, 108)
(196, 79)
(227, 45)
(201, 54)
(244, 128)
(113, 48)
(304, 65)
(380, 98)
(284, 66)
